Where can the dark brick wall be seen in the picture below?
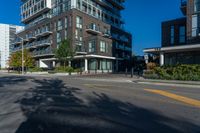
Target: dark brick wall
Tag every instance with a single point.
(166, 31)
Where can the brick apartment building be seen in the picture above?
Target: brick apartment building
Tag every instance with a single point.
(94, 28)
(181, 37)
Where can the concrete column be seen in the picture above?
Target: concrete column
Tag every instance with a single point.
(162, 57)
(69, 63)
(146, 58)
(86, 65)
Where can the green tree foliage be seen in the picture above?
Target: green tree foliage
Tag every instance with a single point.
(16, 59)
(64, 52)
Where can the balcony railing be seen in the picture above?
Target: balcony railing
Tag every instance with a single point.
(31, 37)
(118, 4)
(43, 43)
(42, 52)
(93, 29)
(43, 33)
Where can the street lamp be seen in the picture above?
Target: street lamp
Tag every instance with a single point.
(22, 39)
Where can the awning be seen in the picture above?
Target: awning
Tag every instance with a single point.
(182, 48)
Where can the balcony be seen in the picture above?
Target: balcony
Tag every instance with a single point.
(29, 15)
(43, 43)
(44, 33)
(118, 3)
(105, 4)
(30, 46)
(80, 50)
(93, 29)
(42, 52)
(184, 6)
(17, 41)
(107, 34)
(120, 38)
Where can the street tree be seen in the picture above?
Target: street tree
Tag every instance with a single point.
(16, 59)
(64, 53)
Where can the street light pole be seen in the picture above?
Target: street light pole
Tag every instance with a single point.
(22, 39)
(22, 56)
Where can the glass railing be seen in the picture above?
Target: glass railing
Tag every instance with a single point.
(43, 32)
(42, 52)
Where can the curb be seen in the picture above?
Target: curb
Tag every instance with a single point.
(195, 84)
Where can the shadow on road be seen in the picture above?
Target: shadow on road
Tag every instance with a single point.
(8, 80)
(53, 107)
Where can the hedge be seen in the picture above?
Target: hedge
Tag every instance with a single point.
(178, 72)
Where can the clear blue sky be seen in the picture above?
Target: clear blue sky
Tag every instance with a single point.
(143, 19)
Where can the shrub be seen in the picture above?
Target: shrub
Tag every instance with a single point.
(35, 69)
(151, 66)
(64, 69)
(178, 72)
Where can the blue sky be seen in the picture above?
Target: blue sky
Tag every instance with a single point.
(143, 19)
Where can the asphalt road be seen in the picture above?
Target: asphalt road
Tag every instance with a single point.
(42, 104)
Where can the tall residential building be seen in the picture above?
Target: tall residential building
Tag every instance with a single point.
(181, 37)
(94, 28)
(7, 37)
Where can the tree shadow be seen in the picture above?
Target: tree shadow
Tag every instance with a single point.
(53, 107)
(9, 80)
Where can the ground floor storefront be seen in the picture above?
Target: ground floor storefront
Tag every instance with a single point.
(192, 57)
(87, 63)
(186, 54)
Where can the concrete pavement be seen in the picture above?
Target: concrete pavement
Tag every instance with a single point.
(40, 104)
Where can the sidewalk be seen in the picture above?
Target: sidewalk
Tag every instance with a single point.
(168, 81)
(173, 83)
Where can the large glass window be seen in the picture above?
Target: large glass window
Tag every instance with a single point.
(172, 35)
(196, 6)
(182, 34)
(102, 46)
(58, 37)
(79, 23)
(59, 24)
(194, 25)
(92, 46)
(93, 64)
(103, 65)
(66, 22)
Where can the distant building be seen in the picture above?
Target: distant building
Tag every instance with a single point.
(95, 28)
(7, 37)
(181, 37)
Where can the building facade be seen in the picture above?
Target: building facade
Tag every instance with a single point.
(181, 37)
(94, 28)
(7, 37)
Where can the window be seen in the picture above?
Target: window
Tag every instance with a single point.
(102, 46)
(58, 37)
(66, 34)
(103, 64)
(182, 34)
(66, 22)
(92, 46)
(196, 6)
(76, 34)
(194, 25)
(79, 22)
(59, 24)
(172, 35)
